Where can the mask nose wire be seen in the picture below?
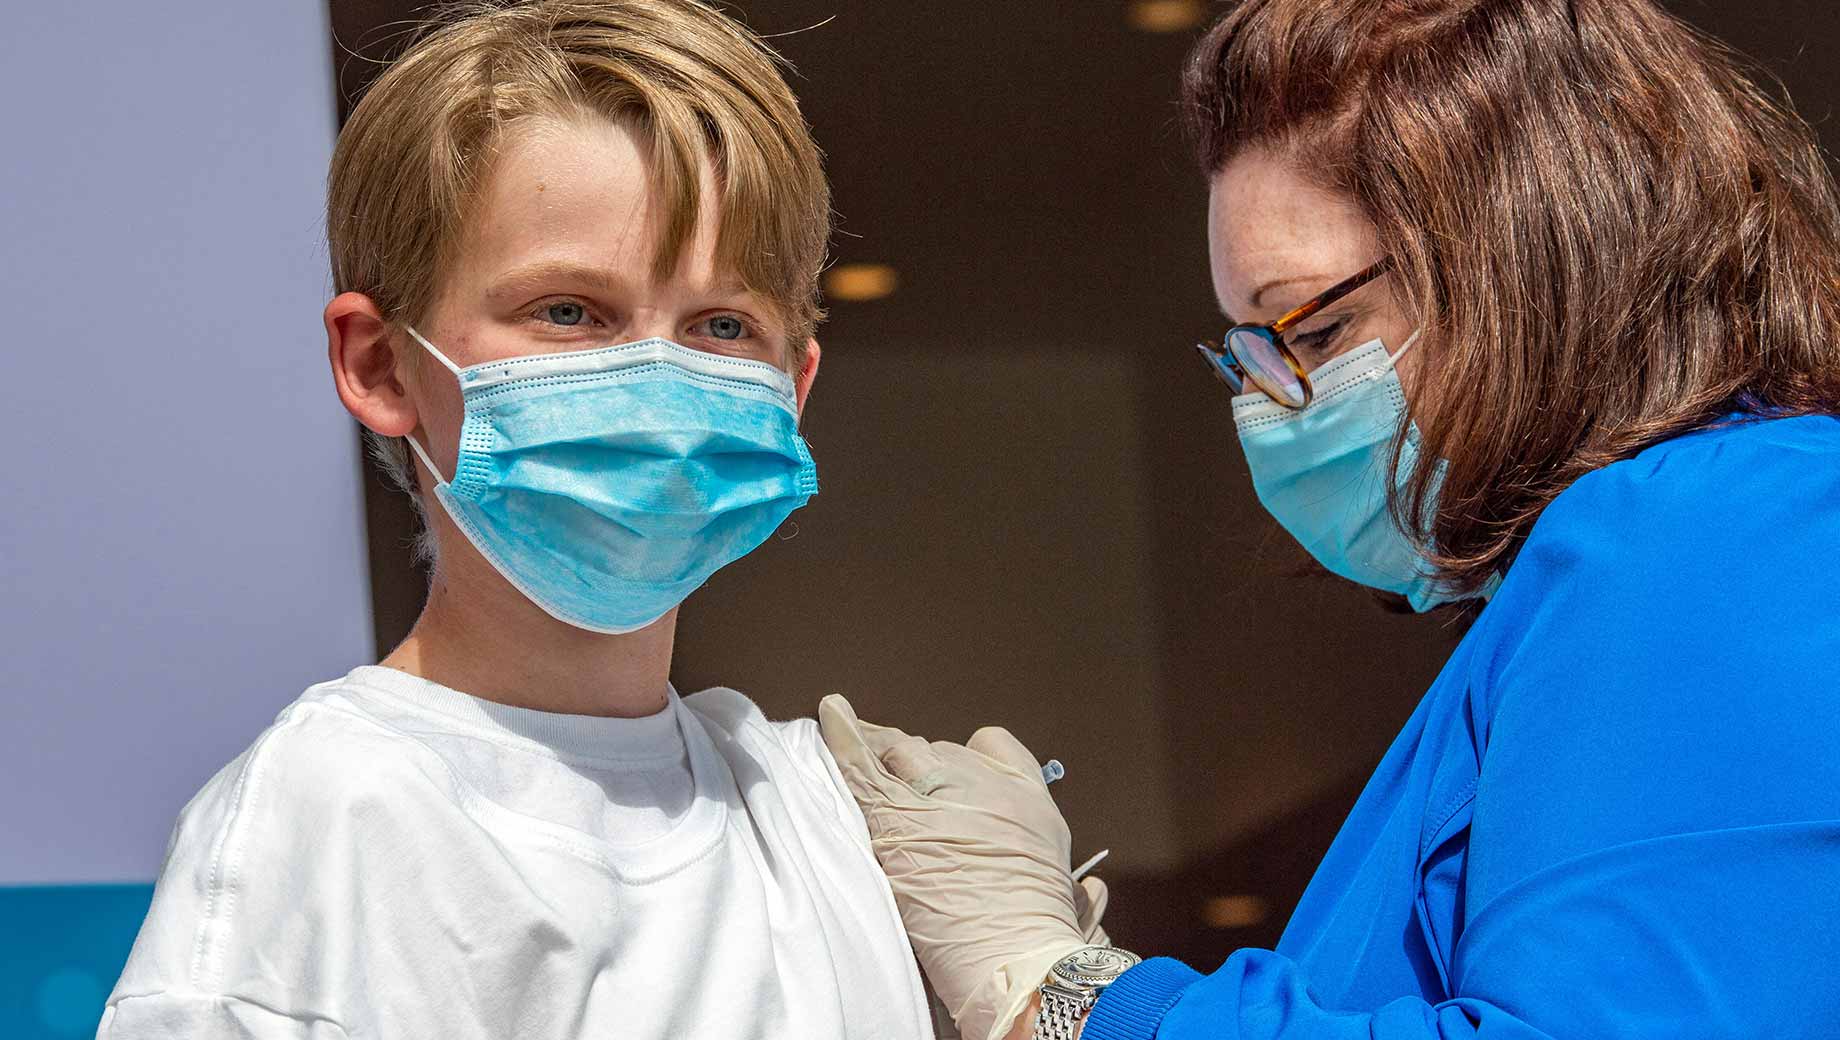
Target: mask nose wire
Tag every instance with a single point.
(415, 445)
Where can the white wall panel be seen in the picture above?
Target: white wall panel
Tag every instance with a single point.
(181, 544)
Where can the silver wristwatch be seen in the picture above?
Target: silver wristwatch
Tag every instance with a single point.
(1073, 987)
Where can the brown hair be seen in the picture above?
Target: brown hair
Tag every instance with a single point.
(1610, 234)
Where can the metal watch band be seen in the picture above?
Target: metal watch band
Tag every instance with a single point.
(1061, 1013)
(1073, 986)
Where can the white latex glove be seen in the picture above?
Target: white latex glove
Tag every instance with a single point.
(978, 857)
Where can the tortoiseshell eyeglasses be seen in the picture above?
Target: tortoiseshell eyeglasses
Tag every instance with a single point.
(1257, 354)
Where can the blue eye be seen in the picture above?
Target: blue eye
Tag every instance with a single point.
(727, 326)
(565, 313)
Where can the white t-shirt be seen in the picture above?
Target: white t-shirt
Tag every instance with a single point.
(395, 859)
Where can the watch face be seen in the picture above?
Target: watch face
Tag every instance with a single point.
(1094, 966)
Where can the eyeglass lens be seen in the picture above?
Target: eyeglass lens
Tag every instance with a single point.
(1258, 353)
(1221, 365)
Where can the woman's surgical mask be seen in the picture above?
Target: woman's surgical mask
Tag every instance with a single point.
(607, 485)
(1322, 470)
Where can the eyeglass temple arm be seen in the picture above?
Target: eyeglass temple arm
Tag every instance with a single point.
(1329, 296)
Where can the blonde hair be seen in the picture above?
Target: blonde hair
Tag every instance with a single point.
(698, 86)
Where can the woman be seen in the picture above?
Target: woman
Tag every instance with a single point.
(1568, 278)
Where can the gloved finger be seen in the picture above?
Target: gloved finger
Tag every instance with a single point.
(856, 750)
(842, 713)
(914, 762)
(1000, 744)
(1090, 899)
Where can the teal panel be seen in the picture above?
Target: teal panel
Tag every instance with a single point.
(61, 949)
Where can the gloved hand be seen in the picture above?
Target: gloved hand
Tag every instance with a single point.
(978, 857)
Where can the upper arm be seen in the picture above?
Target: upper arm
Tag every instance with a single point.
(1656, 830)
(1661, 674)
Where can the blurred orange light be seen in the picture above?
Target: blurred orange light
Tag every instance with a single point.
(1234, 911)
(858, 282)
(1165, 16)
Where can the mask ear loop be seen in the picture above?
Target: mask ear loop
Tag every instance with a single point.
(1394, 360)
(415, 445)
(442, 358)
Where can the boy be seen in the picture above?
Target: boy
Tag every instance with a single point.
(576, 246)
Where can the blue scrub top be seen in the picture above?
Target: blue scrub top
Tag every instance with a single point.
(1616, 813)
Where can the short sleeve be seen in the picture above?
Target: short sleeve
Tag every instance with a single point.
(180, 1016)
(264, 918)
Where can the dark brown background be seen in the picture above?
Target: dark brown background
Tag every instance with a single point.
(1034, 509)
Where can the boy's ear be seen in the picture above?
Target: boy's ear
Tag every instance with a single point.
(807, 373)
(364, 366)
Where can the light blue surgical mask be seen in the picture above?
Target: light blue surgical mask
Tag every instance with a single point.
(607, 485)
(1322, 470)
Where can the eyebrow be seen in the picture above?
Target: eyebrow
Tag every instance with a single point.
(1276, 282)
(529, 277)
(524, 279)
